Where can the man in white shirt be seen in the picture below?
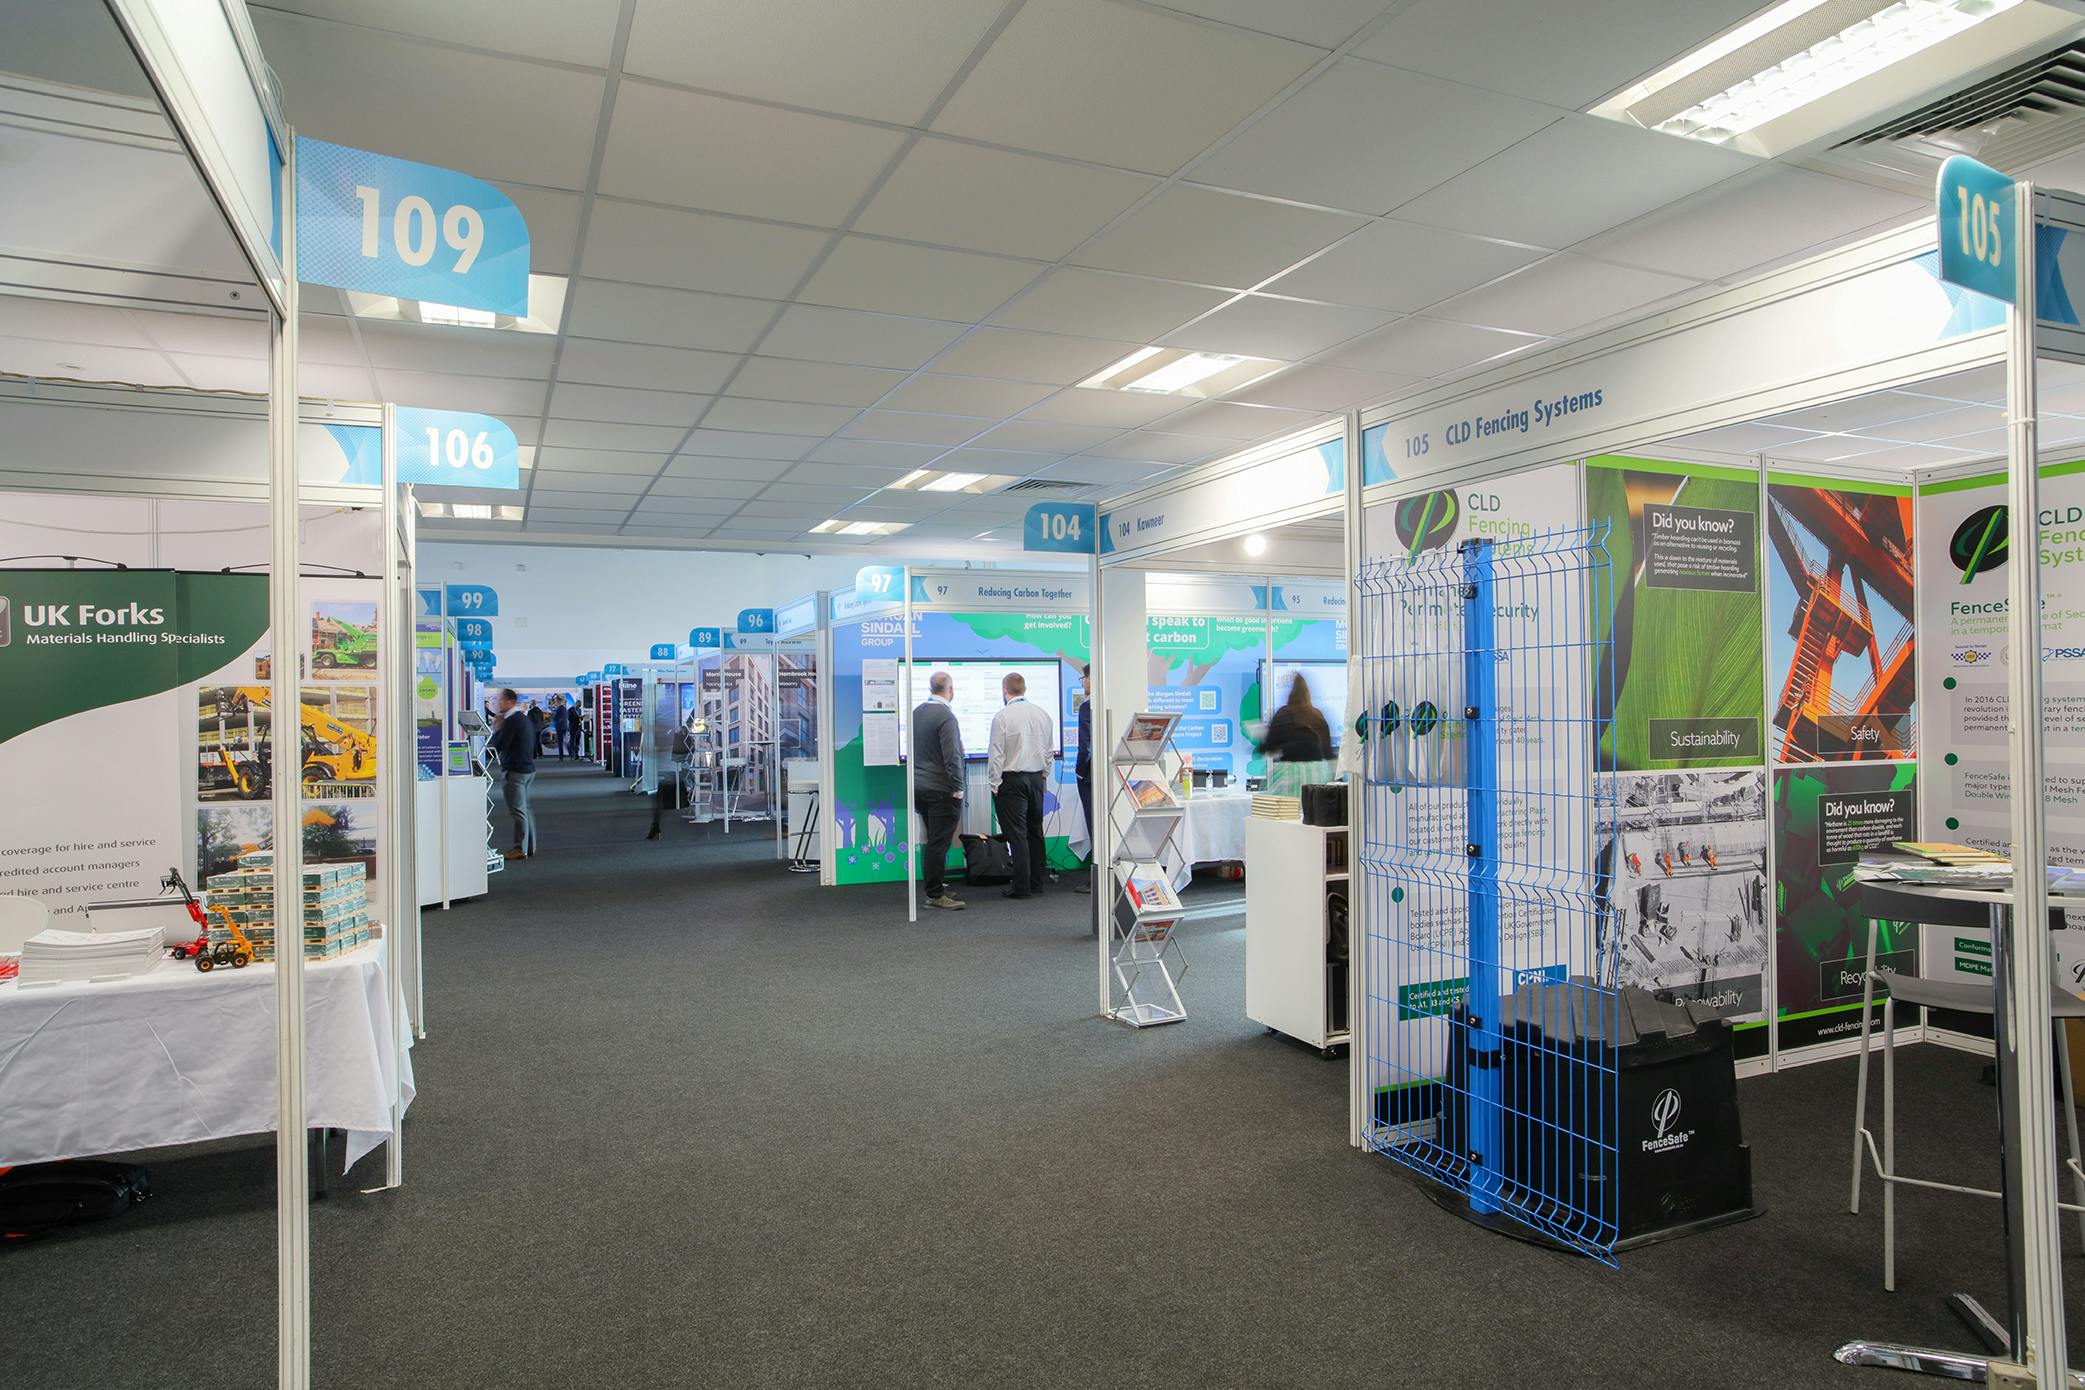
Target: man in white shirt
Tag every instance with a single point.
(1023, 736)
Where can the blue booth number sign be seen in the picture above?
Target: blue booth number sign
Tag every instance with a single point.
(662, 651)
(456, 448)
(382, 225)
(478, 600)
(706, 638)
(1063, 527)
(873, 583)
(1978, 229)
(756, 620)
(473, 632)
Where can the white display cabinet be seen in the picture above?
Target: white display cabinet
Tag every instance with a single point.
(1296, 948)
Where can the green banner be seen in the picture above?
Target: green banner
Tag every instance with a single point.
(75, 640)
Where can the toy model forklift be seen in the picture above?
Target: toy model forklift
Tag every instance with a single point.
(237, 953)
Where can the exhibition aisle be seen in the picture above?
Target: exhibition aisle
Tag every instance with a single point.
(689, 1120)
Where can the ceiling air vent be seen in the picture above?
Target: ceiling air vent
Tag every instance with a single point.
(2025, 116)
(1046, 485)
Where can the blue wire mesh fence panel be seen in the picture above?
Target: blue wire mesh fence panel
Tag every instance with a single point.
(1493, 1007)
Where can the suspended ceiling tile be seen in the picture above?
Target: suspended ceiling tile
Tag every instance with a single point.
(1326, 144)
(668, 318)
(552, 216)
(591, 516)
(1325, 388)
(905, 427)
(696, 510)
(208, 373)
(804, 514)
(698, 529)
(818, 494)
(2054, 429)
(843, 475)
(1579, 176)
(1977, 386)
(211, 334)
(1566, 55)
(594, 362)
(1866, 412)
(500, 118)
(981, 199)
(417, 347)
(325, 340)
(1828, 448)
(1745, 439)
(572, 529)
(1042, 436)
(1011, 462)
(603, 484)
(599, 461)
(819, 383)
(961, 395)
(744, 444)
(1403, 265)
(1215, 238)
(329, 381)
(550, 499)
(737, 479)
(1283, 330)
(62, 321)
(697, 251)
(1227, 420)
(577, 401)
(1157, 446)
(1319, 23)
(710, 152)
(610, 434)
(1429, 347)
(1042, 357)
(811, 332)
(924, 282)
(887, 61)
(1109, 472)
(879, 453)
(1118, 84)
(572, 31)
(1080, 405)
(487, 395)
(1075, 301)
(1773, 216)
(776, 417)
(1910, 456)
(1927, 429)
(1561, 295)
(900, 506)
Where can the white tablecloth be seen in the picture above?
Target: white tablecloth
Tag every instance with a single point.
(1213, 830)
(174, 1056)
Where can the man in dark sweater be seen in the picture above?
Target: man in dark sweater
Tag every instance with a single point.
(937, 784)
(515, 744)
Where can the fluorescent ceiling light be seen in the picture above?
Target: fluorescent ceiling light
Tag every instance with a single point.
(1163, 371)
(1793, 55)
(932, 480)
(840, 526)
(951, 482)
(470, 511)
(546, 309)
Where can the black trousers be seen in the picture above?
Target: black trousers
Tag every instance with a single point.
(941, 813)
(1019, 802)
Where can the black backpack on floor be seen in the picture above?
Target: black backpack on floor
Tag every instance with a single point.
(39, 1198)
(987, 859)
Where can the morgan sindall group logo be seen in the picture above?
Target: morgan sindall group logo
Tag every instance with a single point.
(1425, 522)
(1979, 543)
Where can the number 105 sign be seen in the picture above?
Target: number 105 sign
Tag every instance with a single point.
(1978, 226)
(455, 448)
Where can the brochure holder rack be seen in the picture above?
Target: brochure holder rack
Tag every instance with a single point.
(1146, 815)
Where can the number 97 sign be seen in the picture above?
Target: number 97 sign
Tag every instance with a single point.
(455, 448)
(1064, 527)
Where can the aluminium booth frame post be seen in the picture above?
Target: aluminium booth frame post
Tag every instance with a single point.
(905, 814)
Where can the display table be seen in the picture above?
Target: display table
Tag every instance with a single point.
(1211, 832)
(174, 1056)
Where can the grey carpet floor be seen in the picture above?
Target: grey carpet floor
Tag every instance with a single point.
(688, 1120)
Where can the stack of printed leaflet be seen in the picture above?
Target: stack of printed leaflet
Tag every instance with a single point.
(1269, 807)
(53, 955)
(334, 912)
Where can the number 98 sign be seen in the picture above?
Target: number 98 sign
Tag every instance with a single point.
(455, 448)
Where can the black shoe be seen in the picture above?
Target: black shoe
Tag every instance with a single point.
(1010, 893)
(654, 835)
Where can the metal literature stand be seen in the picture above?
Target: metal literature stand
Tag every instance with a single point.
(1146, 816)
(495, 861)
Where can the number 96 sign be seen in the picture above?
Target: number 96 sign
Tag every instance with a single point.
(455, 448)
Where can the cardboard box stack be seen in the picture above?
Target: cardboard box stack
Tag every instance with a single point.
(335, 909)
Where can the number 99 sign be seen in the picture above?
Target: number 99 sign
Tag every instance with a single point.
(456, 448)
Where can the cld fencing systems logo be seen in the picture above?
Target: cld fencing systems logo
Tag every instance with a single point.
(1425, 522)
(1979, 544)
(1665, 1113)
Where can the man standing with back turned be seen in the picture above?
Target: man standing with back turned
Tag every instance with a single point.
(937, 784)
(1022, 738)
(515, 743)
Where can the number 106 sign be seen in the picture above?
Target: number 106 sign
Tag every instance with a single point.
(455, 448)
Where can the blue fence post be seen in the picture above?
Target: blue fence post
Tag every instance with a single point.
(1481, 1038)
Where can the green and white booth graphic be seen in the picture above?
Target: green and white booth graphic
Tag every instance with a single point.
(978, 624)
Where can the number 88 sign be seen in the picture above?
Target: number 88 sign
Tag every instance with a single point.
(456, 448)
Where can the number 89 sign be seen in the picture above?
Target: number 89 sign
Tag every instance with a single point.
(455, 448)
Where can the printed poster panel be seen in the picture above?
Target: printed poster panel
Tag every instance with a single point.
(1206, 669)
(1825, 817)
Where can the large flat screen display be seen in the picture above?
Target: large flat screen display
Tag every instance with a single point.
(978, 697)
(1328, 690)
